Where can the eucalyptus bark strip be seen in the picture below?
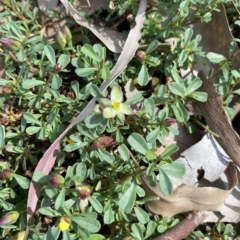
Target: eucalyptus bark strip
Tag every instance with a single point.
(217, 120)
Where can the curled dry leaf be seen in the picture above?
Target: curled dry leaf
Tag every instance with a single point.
(187, 198)
(113, 40)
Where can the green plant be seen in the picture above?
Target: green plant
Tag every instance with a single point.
(95, 185)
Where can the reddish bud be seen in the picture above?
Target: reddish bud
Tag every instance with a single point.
(11, 44)
(57, 180)
(84, 190)
(7, 174)
(102, 142)
(140, 55)
(169, 121)
(58, 67)
(9, 218)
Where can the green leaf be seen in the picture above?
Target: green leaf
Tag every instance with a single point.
(151, 226)
(108, 217)
(64, 60)
(89, 51)
(143, 76)
(150, 155)
(135, 98)
(127, 200)
(90, 224)
(142, 216)
(84, 72)
(165, 183)
(56, 81)
(52, 233)
(30, 83)
(199, 96)
(152, 46)
(21, 55)
(31, 118)
(50, 54)
(22, 181)
(96, 237)
(123, 151)
(172, 148)
(105, 72)
(189, 32)
(74, 146)
(2, 137)
(95, 204)
(194, 85)
(138, 143)
(95, 91)
(81, 171)
(215, 58)
(94, 120)
(230, 112)
(162, 228)
(59, 202)
(137, 231)
(149, 105)
(175, 169)
(180, 112)
(177, 89)
(153, 135)
(14, 30)
(40, 177)
(106, 156)
(3, 82)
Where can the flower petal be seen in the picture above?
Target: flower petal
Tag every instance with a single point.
(109, 112)
(116, 94)
(121, 116)
(126, 109)
(105, 102)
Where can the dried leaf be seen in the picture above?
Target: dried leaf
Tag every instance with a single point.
(113, 40)
(48, 160)
(46, 5)
(188, 198)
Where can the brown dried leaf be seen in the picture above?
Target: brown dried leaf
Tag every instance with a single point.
(113, 40)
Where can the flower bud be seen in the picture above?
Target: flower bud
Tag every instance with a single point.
(7, 174)
(169, 121)
(83, 205)
(155, 81)
(58, 67)
(5, 3)
(57, 180)
(64, 223)
(84, 190)
(9, 218)
(140, 55)
(67, 33)
(11, 44)
(102, 142)
(61, 40)
(19, 236)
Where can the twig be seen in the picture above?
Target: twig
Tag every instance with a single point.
(185, 227)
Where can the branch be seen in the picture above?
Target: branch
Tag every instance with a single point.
(185, 227)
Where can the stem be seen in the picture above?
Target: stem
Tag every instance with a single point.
(205, 127)
(184, 228)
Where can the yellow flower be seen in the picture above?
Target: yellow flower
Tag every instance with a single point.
(64, 223)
